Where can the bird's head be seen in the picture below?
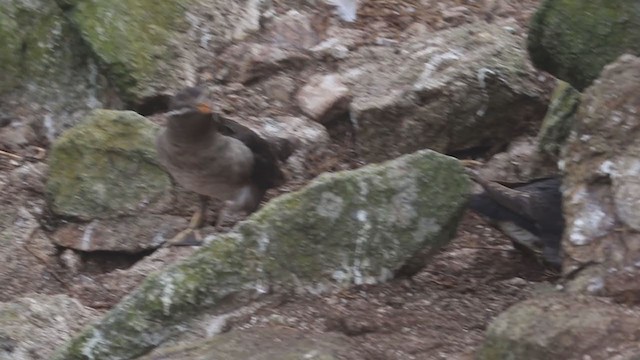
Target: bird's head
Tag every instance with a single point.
(190, 105)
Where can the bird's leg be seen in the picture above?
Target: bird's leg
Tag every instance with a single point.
(222, 213)
(191, 235)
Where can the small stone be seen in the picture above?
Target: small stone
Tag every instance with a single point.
(324, 98)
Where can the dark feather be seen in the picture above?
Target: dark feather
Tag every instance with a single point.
(266, 172)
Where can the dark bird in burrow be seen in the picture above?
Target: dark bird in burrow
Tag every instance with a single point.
(529, 214)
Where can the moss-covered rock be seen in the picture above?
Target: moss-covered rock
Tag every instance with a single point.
(352, 227)
(563, 327)
(132, 38)
(105, 167)
(559, 119)
(47, 74)
(34, 41)
(152, 47)
(574, 39)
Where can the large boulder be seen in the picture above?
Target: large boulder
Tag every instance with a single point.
(353, 227)
(151, 48)
(32, 327)
(563, 327)
(601, 161)
(574, 40)
(449, 91)
(48, 79)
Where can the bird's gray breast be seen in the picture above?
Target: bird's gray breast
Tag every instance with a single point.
(218, 169)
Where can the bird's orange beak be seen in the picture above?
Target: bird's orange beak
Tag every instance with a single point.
(204, 108)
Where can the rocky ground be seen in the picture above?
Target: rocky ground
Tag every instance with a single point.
(441, 313)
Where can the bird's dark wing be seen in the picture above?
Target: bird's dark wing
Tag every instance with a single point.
(266, 169)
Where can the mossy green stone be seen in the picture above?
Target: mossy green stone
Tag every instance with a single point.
(36, 42)
(575, 39)
(352, 227)
(133, 39)
(559, 119)
(105, 167)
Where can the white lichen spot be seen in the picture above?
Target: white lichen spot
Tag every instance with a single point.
(361, 215)
(385, 275)
(434, 64)
(330, 205)
(562, 164)
(345, 9)
(589, 223)
(263, 242)
(426, 228)
(585, 137)
(311, 354)
(339, 276)
(49, 127)
(617, 116)
(403, 209)
(91, 343)
(596, 284)
(168, 290)
(87, 236)
(217, 325)
(482, 76)
(607, 168)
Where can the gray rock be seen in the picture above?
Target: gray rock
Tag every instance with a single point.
(324, 97)
(106, 167)
(32, 327)
(130, 234)
(574, 42)
(353, 227)
(152, 48)
(453, 90)
(257, 344)
(563, 327)
(48, 79)
(601, 190)
(559, 120)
